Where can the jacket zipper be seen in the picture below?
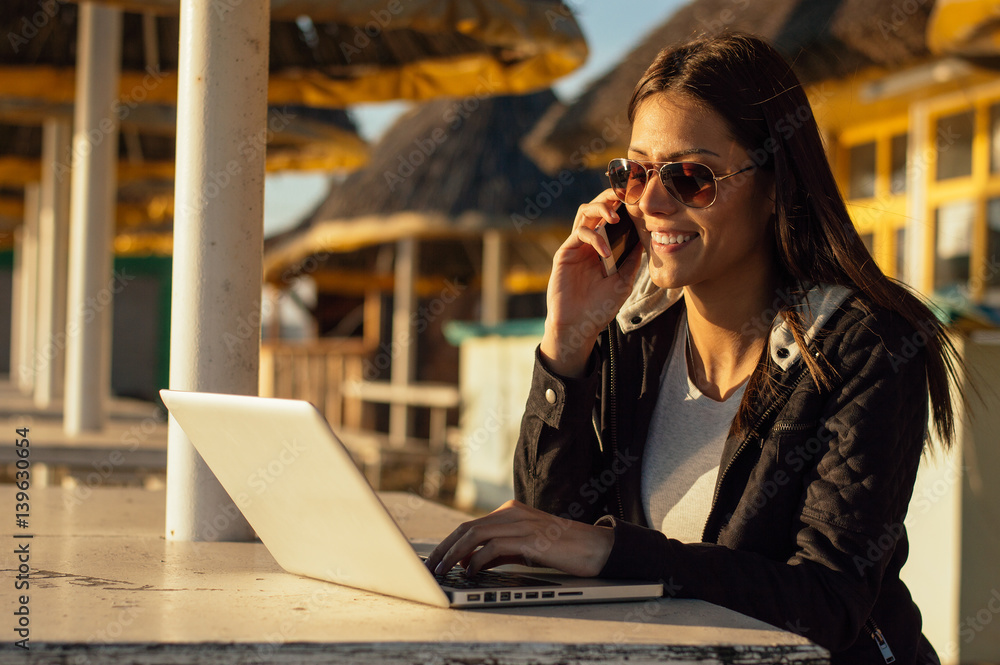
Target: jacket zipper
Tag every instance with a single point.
(613, 343)
(789, 427)
(879, 638)
(752, 435)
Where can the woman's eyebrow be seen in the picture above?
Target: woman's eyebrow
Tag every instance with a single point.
(677, 153)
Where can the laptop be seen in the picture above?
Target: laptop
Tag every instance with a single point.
(315, 512)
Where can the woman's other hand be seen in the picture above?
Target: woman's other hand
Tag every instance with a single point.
(580, 300)
(516, 533)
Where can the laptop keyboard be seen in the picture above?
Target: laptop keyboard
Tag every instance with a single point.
(485, 579)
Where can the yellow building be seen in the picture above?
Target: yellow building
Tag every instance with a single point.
(917, 153)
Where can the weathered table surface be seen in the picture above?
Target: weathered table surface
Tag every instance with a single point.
(105, 586)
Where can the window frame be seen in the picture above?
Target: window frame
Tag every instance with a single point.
(884, 213)
(980, 186)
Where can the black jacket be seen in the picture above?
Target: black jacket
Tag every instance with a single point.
(806, 527)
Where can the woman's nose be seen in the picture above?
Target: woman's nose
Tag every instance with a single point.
(655, 198)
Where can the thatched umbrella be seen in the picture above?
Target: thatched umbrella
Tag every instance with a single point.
(451, 168)
(37, 61)
(823, 39)
(452, 174)
(323, 53)
(308, 139)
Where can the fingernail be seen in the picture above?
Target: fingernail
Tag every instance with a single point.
(439, 570)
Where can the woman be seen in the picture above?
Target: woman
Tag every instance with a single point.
(760, 462)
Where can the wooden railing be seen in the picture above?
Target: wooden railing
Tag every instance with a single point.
(330, 374)
(316, 371)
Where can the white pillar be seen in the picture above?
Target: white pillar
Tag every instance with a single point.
(53, 247)
(16, 303)
(404, 341)
(919, 243)
(494, 295)
(92, 217)
(26, 291)
(218, 240)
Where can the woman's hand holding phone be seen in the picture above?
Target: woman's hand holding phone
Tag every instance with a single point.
(580, 300)
(621, 238)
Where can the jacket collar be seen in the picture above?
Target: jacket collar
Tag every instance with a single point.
(648, 300)
(818, 305)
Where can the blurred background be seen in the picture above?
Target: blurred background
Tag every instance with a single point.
(418, 183)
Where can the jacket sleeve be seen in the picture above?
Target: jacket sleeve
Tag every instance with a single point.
(854, 497)
(558, 453)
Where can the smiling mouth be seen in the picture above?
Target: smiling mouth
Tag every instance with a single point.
(672, 238)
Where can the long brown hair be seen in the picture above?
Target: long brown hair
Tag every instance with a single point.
(748, 83)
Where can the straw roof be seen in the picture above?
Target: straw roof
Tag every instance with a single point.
(308, 139)
(450, 168)
(823, 39)
(37, 80)
(301, 138)
(475, 163)
(322, 53)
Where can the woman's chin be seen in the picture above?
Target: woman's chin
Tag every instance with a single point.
(666, 278)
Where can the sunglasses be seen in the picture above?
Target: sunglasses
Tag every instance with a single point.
(690, 183)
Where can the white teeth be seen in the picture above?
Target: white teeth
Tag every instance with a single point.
(665, 239)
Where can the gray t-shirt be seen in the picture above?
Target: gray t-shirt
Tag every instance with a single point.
(683, 449)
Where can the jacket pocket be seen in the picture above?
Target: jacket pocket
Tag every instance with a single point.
(798, 444)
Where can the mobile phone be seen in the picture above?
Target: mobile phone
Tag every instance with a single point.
(622, 239)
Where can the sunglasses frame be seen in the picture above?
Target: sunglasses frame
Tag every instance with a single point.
(659, 166)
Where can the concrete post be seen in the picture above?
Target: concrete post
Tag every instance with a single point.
(92, 217)
(404, 341)
(24, 309)
(218, 240)
(16, 303)
(494, 297)
(53, 252)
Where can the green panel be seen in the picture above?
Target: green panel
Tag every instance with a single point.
(160, 268)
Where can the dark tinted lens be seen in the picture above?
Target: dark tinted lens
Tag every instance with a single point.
(691, 183)
(618, 175)
(627, 179)
(622, 175)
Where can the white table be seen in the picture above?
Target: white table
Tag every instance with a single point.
(107, 587)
